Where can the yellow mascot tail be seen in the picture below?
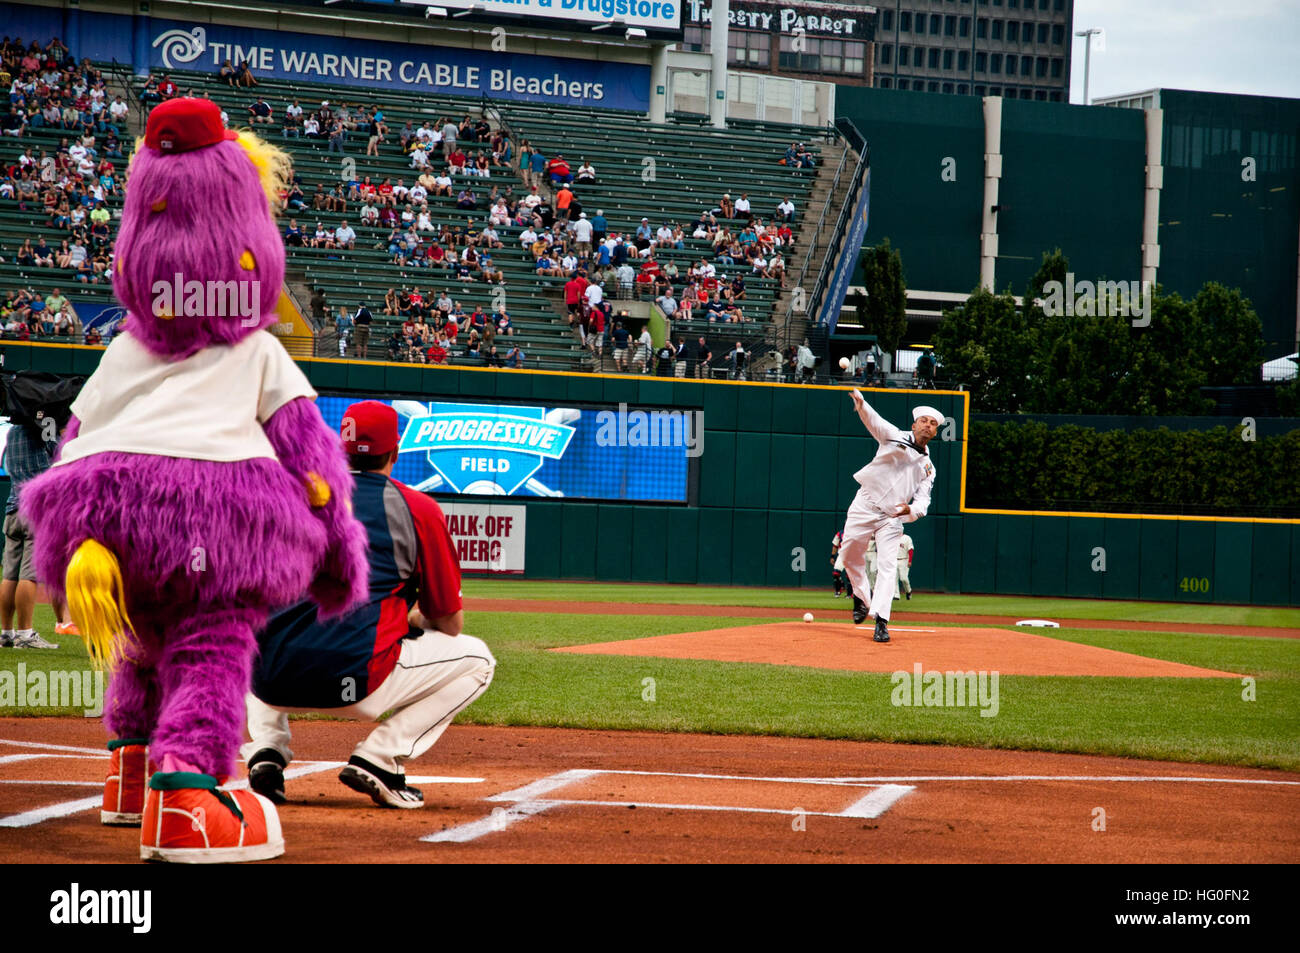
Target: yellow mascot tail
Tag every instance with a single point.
(97, 601)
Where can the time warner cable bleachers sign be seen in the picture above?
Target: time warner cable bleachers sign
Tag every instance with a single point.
(406, 67)
(403, 66)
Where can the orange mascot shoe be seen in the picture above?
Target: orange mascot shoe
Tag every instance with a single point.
(189, 820)
(128, 773)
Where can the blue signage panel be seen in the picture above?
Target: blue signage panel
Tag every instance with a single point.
(405, 67)
(374, 64)
(848, 260)
(583, 453)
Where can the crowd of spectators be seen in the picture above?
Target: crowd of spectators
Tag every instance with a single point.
(73, 186)
(25, 313)
(48, 88)
(435, 328)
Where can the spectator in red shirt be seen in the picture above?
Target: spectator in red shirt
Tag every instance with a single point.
(167, 89)
(437, 353)
(574, 289)
(401, 650)
(559, 172)
(645, 283)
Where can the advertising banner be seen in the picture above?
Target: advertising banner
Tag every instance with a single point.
(580, 453)
(836, 20)
(647, 14)
(489, 537)
(342, 61)
(850, 250)
(401, 66)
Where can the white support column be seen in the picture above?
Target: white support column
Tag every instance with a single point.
(1151, 209)
(718, 76)
(659, 83)
(992, 177)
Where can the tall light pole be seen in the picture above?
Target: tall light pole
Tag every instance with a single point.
(1087, 56)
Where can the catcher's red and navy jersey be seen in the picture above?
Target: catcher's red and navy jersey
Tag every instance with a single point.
(307, 663)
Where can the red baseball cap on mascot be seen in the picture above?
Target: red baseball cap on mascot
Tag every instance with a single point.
(372, 425)
(181, 125)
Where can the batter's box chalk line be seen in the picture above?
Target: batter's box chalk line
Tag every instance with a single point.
(533, 798)
(50, 812)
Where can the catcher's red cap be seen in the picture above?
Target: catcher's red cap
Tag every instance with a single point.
(185, 124)
(369, 427)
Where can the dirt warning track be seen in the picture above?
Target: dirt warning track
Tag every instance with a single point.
(535, 795)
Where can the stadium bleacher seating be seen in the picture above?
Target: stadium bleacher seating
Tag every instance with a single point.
(669, 172)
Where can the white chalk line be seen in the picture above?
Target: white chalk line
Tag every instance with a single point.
(878, 801)
(52, 812)
(77, 784)
(530, 800)
(11, 758)
(533, 791)
(845, 782)
(97, 752)
(498, 820)
(873, 805)
(434, 779)
(1055, 777)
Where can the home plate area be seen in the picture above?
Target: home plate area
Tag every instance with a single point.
(581, 787)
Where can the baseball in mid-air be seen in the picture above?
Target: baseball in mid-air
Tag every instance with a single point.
(844, 363)
(807, 616)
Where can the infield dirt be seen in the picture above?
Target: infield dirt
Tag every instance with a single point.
(778, 799)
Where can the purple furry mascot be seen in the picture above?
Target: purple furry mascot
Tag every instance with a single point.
(197, 487)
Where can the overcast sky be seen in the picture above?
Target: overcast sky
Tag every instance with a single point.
(1223, 46)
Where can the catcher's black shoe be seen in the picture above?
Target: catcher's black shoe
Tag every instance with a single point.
(859, 610)
(909, 595)
(384, 787)
(266, 775)
(882, 631)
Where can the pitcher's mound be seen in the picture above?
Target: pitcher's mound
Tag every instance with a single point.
(850, 648)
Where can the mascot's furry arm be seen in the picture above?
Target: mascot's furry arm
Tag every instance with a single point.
(309, 450)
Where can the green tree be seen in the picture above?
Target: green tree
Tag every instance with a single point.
(884, 312)
(1080, 363)
(1053, 268)
(1165, 373)
(1234, 336)
(987, 345)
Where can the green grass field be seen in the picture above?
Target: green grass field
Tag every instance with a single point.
(815, 599)
(1200, 720)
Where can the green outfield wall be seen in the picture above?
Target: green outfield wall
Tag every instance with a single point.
(776, 477)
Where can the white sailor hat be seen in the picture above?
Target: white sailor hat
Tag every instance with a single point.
(924, 411)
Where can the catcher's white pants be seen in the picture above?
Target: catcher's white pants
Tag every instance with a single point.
(436, 676)
(863, 522)
(904, 583)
